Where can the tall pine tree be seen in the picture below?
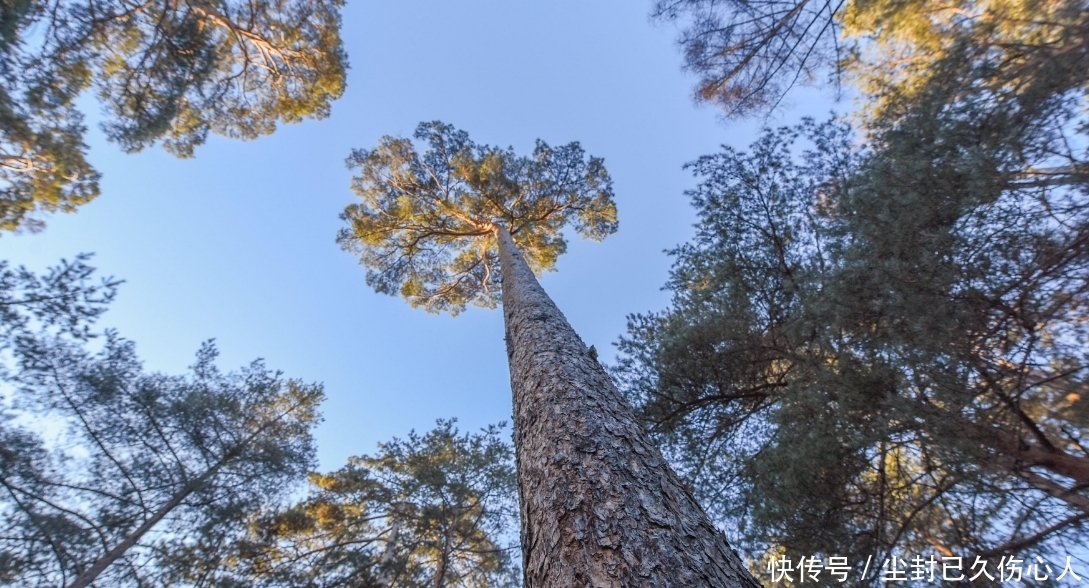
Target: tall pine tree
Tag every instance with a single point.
(464, 223)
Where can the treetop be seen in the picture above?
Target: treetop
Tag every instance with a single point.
(427, 224)
(163, 71)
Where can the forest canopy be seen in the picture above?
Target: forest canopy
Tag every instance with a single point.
(110, 474)
(876, 343)
(749, 54)
(163, 71)
(875, 349)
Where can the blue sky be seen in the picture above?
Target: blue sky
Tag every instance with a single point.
(237, 244)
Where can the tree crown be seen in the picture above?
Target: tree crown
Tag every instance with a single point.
(171, 71)
(430, 510)
(201, 452)
(749, 54)
(878, 348)
(427, 224)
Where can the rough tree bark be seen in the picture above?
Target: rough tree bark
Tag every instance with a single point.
(600, 507)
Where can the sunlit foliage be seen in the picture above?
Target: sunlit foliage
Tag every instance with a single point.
(425, 228)
(433, 510)
(749, 54)
(169, 71)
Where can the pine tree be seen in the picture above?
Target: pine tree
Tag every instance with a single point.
(429, 511)
(879, 350)
(463, 223)
(749, 54)
(163, 70)
(110, 475)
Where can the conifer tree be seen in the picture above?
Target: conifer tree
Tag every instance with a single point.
(749, 54)
(910, 312)
(429, 511)
(462, 223)
(110, 475)
(880, 350)
(64, 302)
(163, 70)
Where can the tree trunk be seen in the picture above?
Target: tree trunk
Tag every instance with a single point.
(600, 507)
(444, 560)
(385, 577)
(100, 565)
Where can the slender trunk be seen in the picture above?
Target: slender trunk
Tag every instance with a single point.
(384, 564)
(444, 560)
(99, 565)
(600, 507)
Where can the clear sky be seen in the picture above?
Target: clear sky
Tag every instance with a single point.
(237, 244)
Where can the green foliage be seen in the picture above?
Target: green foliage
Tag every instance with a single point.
(1010, 49)
(426, 226)
(64, 301)
(92, 447)
(749, 54)
(430, 510)
(882, 348)
(170, 71)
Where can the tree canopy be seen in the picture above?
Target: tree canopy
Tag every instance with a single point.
(879, 348)
(876, 343)
(112, 475)
(425, 228)
(433, 510)
(109, 474)
(170, 71)
(64, 302)
(749, 54)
